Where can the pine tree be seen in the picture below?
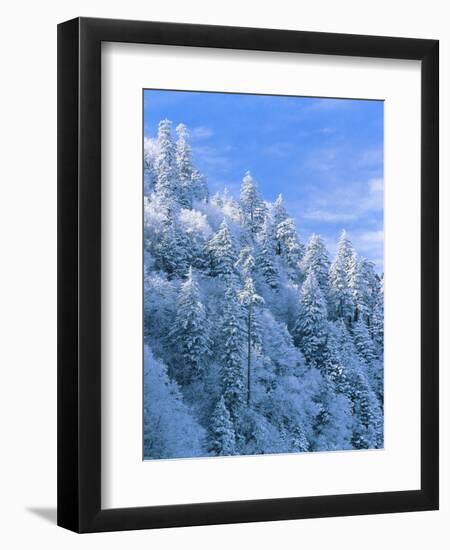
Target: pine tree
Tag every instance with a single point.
(199, 186)
(310, 328)
(170, 250)
(253, 209)
(166, 184)
(363, 342)
(332, 367)
(366, 407)
(222, 441)
(184, 165)
(266, 256)
(289, 246)
(232, 344)
(377, 324)
(316, 260)
(279, 213)
(250, 300)
(149, 174)
(366, 349)
(363, 285)
(190, 332)
(342, 304)
(221, 253)
(245, 261)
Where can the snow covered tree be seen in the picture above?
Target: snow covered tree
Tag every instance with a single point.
(310, 328)
(199, 186)
(253, 209)
(363, 285)
(170, 250)
(222, 440)
(149, 170)
(341, 298)
(266, 257)
(166, 183)
(170, 429)
(221, 253)
(250, 300)
(246, 262)
(289, 246)
(377, 317)
(279, 213)
(190, 332)
(363, 342)
(192, 184)
(232, 352)
(184, 165)
(316, 260)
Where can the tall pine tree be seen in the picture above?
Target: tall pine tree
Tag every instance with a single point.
(222, 440)
(341, 297)
(250, 300)
(310, 328)
(232, 345)
(316, 260)
(190, 332)
(221, 253)
(253, 209)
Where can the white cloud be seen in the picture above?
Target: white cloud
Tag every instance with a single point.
(329, 215)
(371, 158)
(327, 131)
(348, 203)
(278, 150)
(372, 236)
(327, 104)
(201, 132)
(376, 185)
(211, 156)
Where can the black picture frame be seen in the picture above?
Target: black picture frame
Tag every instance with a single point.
(79, 274)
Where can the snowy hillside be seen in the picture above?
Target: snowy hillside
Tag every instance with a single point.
(255, 341)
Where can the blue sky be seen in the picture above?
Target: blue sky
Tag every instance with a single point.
(324, 155)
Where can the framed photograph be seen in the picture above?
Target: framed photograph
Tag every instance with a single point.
(247, 276)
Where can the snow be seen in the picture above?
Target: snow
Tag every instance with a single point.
(254, 342)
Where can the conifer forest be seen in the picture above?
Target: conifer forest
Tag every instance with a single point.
(257, 340)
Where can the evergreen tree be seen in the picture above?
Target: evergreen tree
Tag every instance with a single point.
(253, 209)
(184, 166)
(363, 342)
(222, 441)
(199, 186)
(377, 324)
(341, 298)
(190, 332)
(250, 300)
(166, 183)
(170, 251)
(316, 260)
(266, 256)
(289, 246)
(310, 327)
(221, 253)
(246, 261)
(149, 174)
(232, 345)
(362, 284)
(279, 213)
(366, 408)
(170, 429)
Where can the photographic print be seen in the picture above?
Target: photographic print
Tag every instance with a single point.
(263, 274)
